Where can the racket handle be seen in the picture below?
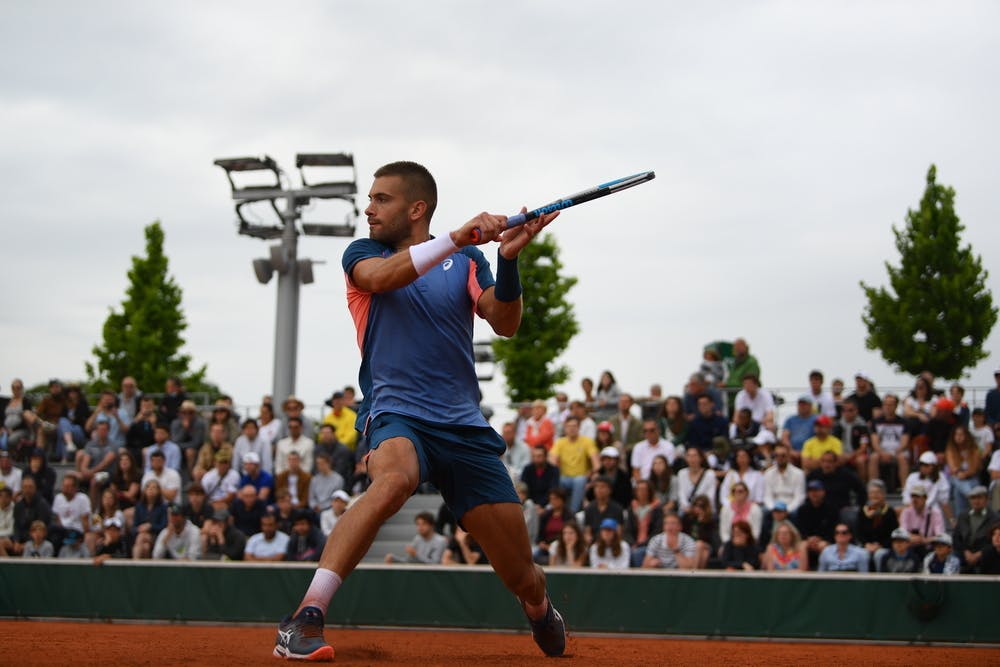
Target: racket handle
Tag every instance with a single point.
(512, 221)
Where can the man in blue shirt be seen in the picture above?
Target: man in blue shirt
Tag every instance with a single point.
(843, 555)
(413, 298)
(799, 427)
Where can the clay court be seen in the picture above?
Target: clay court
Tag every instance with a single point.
(93, 644)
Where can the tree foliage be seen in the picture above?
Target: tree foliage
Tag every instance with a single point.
(144, 338)
(547, 325)
(937, 313)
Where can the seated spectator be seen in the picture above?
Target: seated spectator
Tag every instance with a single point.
(701, 525)
(180, 540)
(712, 367)
(606, 397)
(918, 406)
(709, 430)
(329, 517)
(540, 476)
(663, 483)
(306, 542)
(982, 432)
(644, 518)
(609, 551)
(783, 482)
(890, 444)
(695, 480)
(743, 470)
(673, 423)
(284, 510)
(464, 550)
(528, 509)
(250, 441)
(196, 509)
(269, 544)
(990, 562)
(941, 560)
(107, 509)
(964, 462)
(603, 507)
(605, 439)
(125, 480)
(208, 454)
(787, 551)
(972, 532)
(188, 430)
(671, 549)
(31, 507)
(901, 558)
(297, 441)
(550, 524)
(41, 472)
(173, 458)
(921, 520)
(822, 442)
(113, 545)
(736, 508)
(324, 483)
(220, 540)
(799, 427)
(6, 520)
(168, 478)
(745, 433)
(771, 519)
(539, 429)
(427, 547)
(38, 546)
(341, 418)
(10, 474)
(877, 521)
(936, 485)
(864, 396)
(256, 476)
(295, 480)
(149, 519)
(760, 402)
(696, 387)
(843, 555)
(939, 428)
(73, 546)
(740, 551)
(855, 437)
(97, 457)
(816, 520)
(141, 432)
(70, 510)
(842, 484)
(577, 458)
(518, 454)
(621, 484)
(650, 447)
(570, 548)
(246, 511)
(221, 482)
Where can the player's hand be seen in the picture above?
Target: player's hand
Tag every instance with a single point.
(513, 240)
(483, 228)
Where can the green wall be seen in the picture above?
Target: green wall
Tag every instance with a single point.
(700, 604)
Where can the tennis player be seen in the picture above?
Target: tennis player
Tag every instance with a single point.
(413, 298)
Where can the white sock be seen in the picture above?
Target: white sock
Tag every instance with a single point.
(324, 584)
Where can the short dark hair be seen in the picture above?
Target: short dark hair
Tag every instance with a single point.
(425, 516)
(247, 422)
(298, 420)
(816, 374)
(417, 180)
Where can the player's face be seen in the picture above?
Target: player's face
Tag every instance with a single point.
(387, 211)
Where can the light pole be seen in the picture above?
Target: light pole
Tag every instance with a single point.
(283, 260)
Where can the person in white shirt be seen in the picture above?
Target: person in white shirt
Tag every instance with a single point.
(221, 482)
(760, 402)
(609, 551)
(180, 540)
(744, 472)
(169, 479)
(822, 400)
(251, 440)
(296, 442)
(588, 427)
(10, 474)
(644, 451)
(697, 479)
(784, 482)
(517, 455)
(71, 508)
(982, 432)
(329, 517)
(269, 544)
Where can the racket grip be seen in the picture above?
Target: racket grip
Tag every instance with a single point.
(512, 221)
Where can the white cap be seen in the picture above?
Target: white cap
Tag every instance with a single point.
(342, 495)
(251, 457)
(611, 452)
(929, 458)
(863, 376)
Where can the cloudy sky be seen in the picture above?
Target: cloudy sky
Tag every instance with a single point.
(787, 138)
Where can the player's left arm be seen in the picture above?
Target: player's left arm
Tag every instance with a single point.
(501, 304)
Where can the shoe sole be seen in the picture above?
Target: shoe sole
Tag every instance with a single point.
(322, 654)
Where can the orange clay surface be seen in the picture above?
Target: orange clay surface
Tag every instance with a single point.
(86, 644)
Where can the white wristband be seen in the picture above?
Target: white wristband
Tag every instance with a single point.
(426, 255)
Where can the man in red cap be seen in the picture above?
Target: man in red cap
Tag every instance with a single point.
(822, 442)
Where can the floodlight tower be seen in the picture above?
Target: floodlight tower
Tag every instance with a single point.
(283, 258)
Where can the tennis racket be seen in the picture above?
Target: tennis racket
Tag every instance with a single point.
(602, 190)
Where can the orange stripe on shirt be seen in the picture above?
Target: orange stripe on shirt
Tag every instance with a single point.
(359, 303)
(475, 291)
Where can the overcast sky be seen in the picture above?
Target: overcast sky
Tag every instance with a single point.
(787, 139)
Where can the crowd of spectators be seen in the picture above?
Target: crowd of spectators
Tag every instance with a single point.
(706, 478)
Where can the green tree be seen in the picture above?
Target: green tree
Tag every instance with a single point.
(547, 325)
(938, 312)
(144, 338)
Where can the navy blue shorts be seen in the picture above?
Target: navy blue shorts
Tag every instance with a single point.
(463, 462)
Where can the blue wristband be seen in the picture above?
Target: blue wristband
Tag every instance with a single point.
(508, 287)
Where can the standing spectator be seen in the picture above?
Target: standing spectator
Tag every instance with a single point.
(209, 452)
(822, 442)
(816, 520)
(964, 464)
(130, 398)
(784, 482)
(539, 429)
(220, 540)
(605, 397)
(868, 402)
(671, 549)
(323, 484)
(822, 401)
(31, 507)
(168, 478)
(331, 515)
(941, 560)
(149, 519)
(742, 364)
(842, 555)
(297, 442)
(876, 521)
(653, 445)
(341, 417)
(250, 441)
(739, 508)
(577, 459)
(38, 546)
(799, 427)
(188, 430)
(972, 532)
(295, 480)
(70, 508)
(221, 482)
(172, 405)
(786, 551)
(341, 457)
(695, 480)
(270, 544)
(759, 402)
(709, 430)
(172, 456)
(426, 547)
(921, 520)
(643, 519)
(246, 511)
(743, 471)
(10, 474)
(740, 551)
(603, 507)
(570, 548)
(609, 552)
(900, 559)
(180, 540)
(259, 479)
(517, 454)
(306, 541)
(890, 443)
